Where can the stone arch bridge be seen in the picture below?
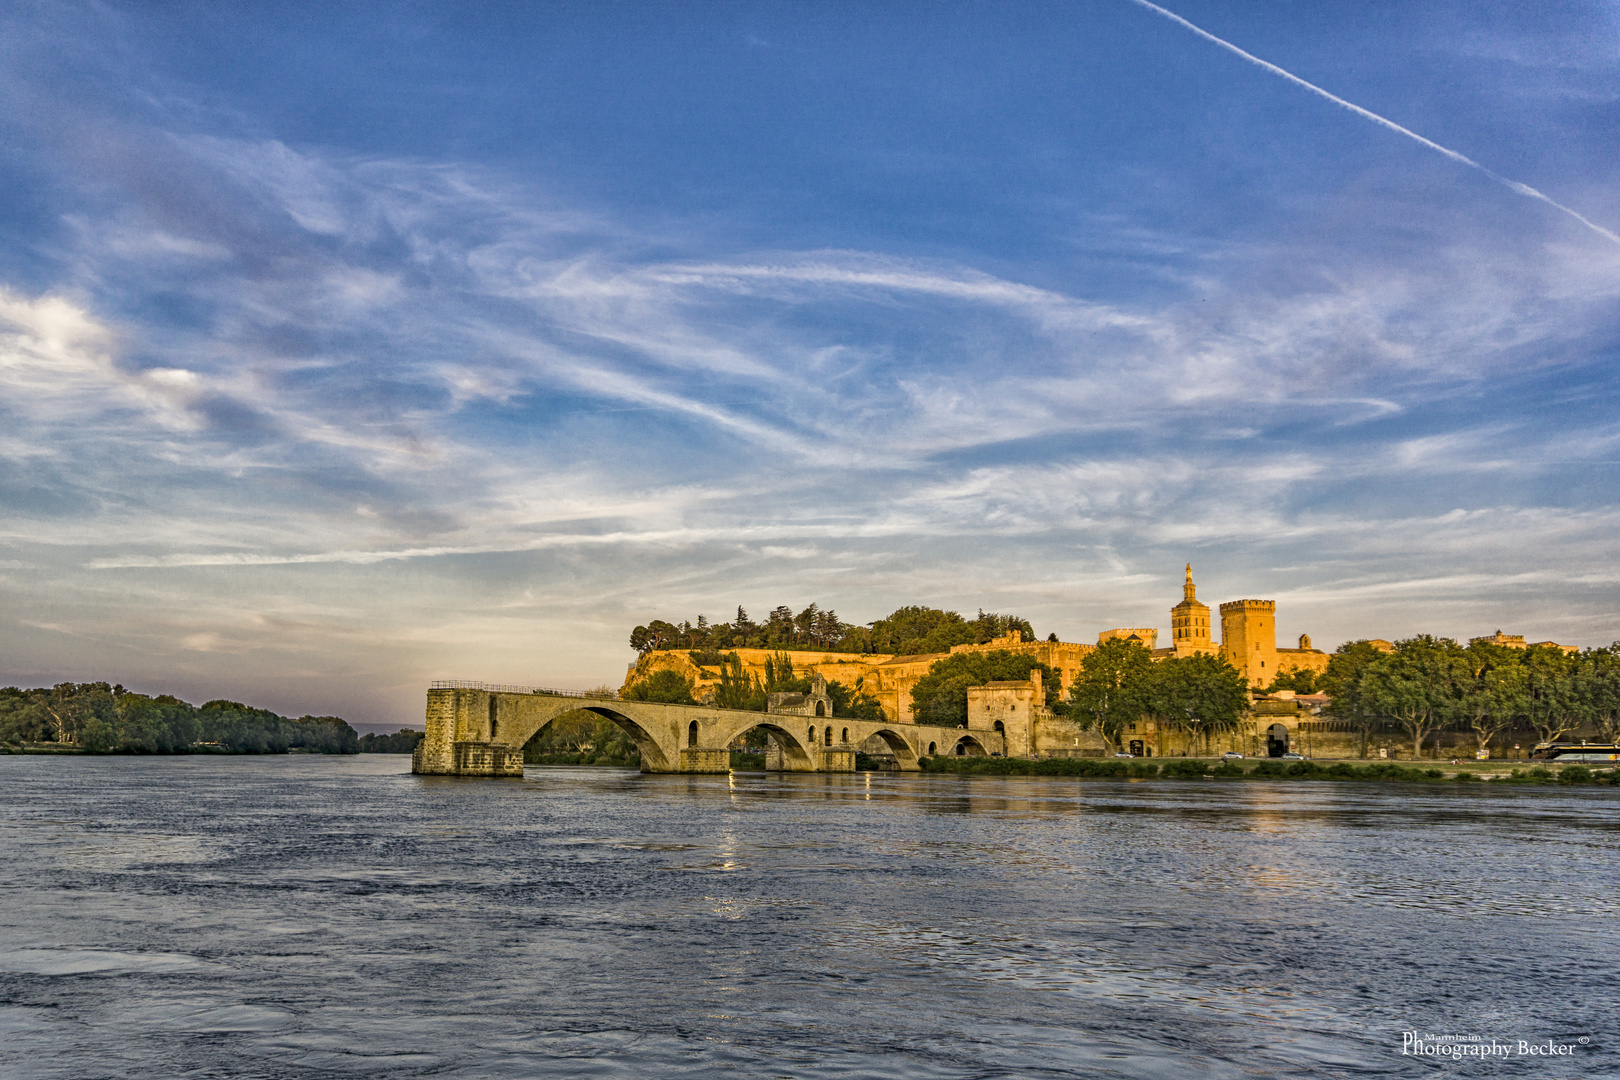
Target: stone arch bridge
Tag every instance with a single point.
(479, 730)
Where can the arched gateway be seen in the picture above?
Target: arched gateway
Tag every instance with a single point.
(479, 730)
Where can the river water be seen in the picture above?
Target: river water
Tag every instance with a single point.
(338, 917)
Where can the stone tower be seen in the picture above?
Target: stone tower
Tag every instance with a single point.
(1189, 622)
(1249, 639)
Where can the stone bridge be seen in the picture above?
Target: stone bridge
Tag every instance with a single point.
(476, 730)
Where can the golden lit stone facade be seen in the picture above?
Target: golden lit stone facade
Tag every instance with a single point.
(1189, 622)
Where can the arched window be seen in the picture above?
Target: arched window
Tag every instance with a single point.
(821, 708)
(492, 720)
(933, 748)
(811, 738)
(829, 736)
(691, 733)
(1001, 729)
(845, 736)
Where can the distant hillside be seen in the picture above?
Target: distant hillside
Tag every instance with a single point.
(100, 718)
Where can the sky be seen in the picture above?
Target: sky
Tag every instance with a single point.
(345, 347)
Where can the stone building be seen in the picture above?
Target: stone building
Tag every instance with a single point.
(1248, 642)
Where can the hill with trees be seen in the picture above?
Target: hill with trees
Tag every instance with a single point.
(905, 632)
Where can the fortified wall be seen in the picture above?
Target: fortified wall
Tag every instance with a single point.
(1248, 643)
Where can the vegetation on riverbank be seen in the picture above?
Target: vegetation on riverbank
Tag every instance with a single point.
(100, 718)
(402, 741)
(1198, 769)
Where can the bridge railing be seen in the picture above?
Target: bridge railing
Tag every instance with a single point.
(504, 688)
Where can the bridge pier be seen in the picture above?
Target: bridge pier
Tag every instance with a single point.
(704, 759)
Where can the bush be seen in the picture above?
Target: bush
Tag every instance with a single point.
(1464, 777)
(742, 760)
(1093, 767)
(1575, 774)
(666, 686)
(1186, 768)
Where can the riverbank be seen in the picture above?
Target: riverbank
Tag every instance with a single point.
(1268, 769)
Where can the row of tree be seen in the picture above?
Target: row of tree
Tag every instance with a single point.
(907, 631)
(1431, 684)
(741, 689)
(1120, 683)
(104, 718)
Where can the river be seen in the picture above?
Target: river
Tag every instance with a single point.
(311, 916)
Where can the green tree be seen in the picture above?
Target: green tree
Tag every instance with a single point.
(1598, 685)
(1419, 685)
(1202, 695)
(738, 689)
(940, 697)
(852, 703)
(1342, 682)
(1494, 692)
(1553, 704)
(664, 685)
(1111, 689)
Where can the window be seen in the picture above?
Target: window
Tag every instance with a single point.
(829, 736)
(691, 734)
(492, 720)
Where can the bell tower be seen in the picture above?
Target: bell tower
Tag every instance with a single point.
(1189, 622)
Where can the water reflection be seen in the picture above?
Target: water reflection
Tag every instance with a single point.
(312, 917)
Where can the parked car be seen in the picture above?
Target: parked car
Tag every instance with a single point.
(1123, 753)
(1231, 755)
(1293, 757)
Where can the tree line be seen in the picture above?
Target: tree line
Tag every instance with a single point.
(1430, 684)
(907, 631)
(108, 719)
(741, 689)
(1201, 696)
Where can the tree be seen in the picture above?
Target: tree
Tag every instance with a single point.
(1552, 705)
(1110, 690)
(852, 703)
(1419, 685)
(1200, 694)
(738, 689)
(664, 685)
(1299, 680)
(1494, 694)
(940, 697)
(1598, 685)
(1342, 682)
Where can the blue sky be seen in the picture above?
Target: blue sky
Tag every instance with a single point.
(344, 348)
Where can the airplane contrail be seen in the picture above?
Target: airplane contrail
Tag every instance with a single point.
(1522, 189)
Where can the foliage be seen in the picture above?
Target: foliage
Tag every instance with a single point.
(940, 697)
(852, 703)
(107, 719)
(581, 737)
(1420, 685)
(401, 742)
(908, 630)
(669, 687)
(1342, 682)
(1110, 688)
(1119, 682)
(1201, 695)
(1001, 766)
(1299, 680)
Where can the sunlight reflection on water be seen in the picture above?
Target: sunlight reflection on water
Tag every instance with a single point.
(336, 916)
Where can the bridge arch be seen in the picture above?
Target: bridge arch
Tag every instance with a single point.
(796, 753)
(968, 746)
(520, 722)
(904, 752)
